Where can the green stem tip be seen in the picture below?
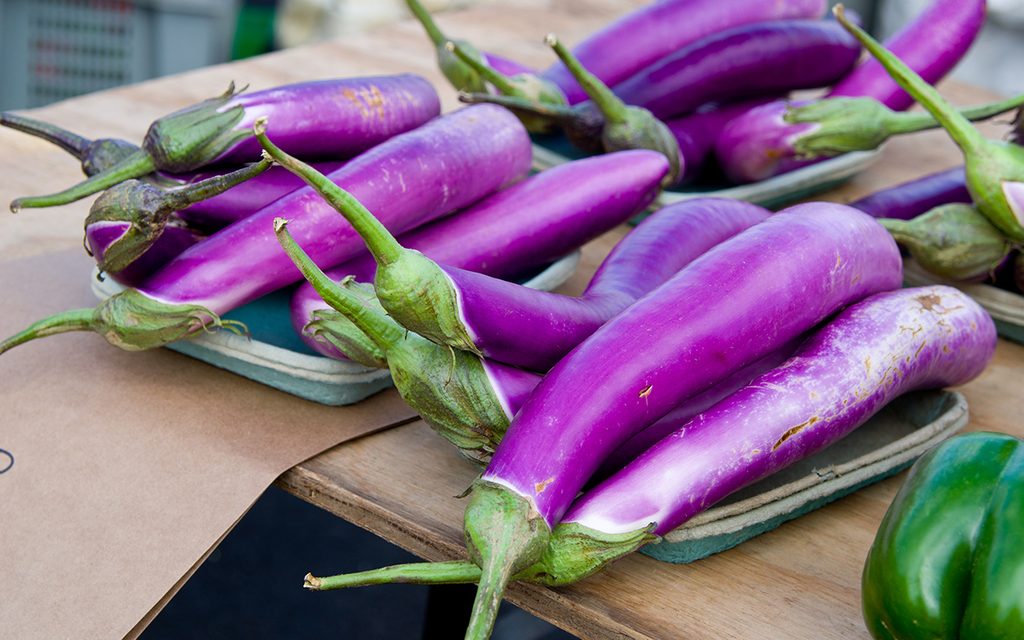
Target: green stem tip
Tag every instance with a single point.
(138, 164)
(613, 108)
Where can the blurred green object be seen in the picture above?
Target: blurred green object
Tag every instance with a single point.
(254, 30)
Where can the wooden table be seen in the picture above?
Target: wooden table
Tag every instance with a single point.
(799, 581)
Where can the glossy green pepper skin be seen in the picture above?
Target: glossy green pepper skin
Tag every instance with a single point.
(948, 559)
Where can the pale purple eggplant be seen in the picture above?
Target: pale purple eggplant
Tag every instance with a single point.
(747, 61)
(696, 133)
(174, 238)
(408, 180)
(332, 119)
(910, 199)
(735, 304)
(994, 169)
(762, 143)
(506, 66)
(640, 38)
(528, 224)
(874, 351)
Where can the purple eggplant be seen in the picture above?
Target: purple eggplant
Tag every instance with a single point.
(910, 199)
(128, 220)
(532, 222)
(735, 304)
(747, 61)
(326, 119)
(994, 169)
(871, 353)
(763, 143)
(408, 180)
(641, 38)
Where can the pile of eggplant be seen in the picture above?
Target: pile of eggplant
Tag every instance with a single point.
(717, 343)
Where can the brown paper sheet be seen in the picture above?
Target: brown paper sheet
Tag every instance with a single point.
(128, 468)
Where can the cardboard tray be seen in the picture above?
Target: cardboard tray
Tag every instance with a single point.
(274, 355)
(885, 445)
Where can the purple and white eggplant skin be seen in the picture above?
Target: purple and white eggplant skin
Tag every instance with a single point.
(642, 37)
(174, 239)
(910, 199)
(735, 304)
(747, 61)
(327, 119)
(408, 180)
(760, 144)
(534, 329)
(506, 66)
(535, 221)
(872, 352)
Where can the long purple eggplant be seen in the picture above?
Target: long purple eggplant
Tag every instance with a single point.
(747, 61)
(408, 180)
(908, 200)
(762, 143)
(994, 169)
(532, 222)
(730, 307)
(326, 119)
(871, 353)
(642, 37)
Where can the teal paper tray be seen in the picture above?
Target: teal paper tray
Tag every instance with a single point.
(885, 445)
(549, 151)
(273, 354)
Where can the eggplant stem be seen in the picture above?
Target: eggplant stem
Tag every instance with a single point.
(499, 80)
(433, 31)
(913, 121)
(613, 108)
(453, 572)
(959, 128)
(73, 143)
(555, 112)
(381, 243)
(375, 325)
(76, 320)
(210, 187)
(138, 164)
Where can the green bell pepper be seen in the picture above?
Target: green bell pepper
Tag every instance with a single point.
(948, 559)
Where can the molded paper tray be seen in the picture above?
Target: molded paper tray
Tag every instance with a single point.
(549, 151)
(885, 445)
(274, 355)
(1005, 307)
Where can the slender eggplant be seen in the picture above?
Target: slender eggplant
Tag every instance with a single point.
(910, 199)
(760, 144)
(325, 119)
(408, 180)
(129, 219)
(506, 66)
(747, 61)
(995, 169)
(953, 241)
(872, 352)
(735, 304)
(490, 317)
(532, 222)
(642, 37)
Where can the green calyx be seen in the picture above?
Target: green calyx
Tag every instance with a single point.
(143, 207)
(504, 535)
(334, 328)
(576, 552)
(988, 163)
(954, 241)
(626, 127)
(196, 135)
(129, 320)
(461, 75)
(841, 125)
(417, 293)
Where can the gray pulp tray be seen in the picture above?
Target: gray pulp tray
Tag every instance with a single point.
(1005, 307)
(549, 151)
(885, 445)
(274, 355)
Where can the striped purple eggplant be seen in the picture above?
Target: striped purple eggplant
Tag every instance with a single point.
(332, 119)
(994, 169)
(642, 37)
(764, 142)
(528, 224)
(408, 180)
(735, 304)
(874, 351)
(908, 200)
(747, 61)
